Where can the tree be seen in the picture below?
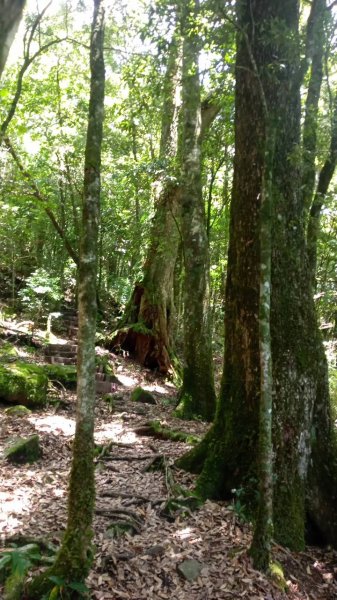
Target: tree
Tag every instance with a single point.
(227, 457)
(10, 17)
(74, 558)
(197, 396)
(146, 327)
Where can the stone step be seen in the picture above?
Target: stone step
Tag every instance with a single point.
(66, 354)
(62, 347)
(61, 360)
(105, 387)
(104, 377)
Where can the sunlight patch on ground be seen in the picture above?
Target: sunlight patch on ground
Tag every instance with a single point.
(155, 388)
(126, 381)
(13, 502)
(55, 424)
(114, 432)
(184, 534)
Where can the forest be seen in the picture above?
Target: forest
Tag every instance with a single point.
(168, 287)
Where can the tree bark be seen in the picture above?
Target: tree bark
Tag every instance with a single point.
(197, 396)
(227, 457)
(146, 327)
(10, 17)
(75, 556)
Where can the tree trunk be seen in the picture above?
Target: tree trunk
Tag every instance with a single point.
(10, 17)
(227, 457)
(145, 329)
(324, 181)
(197, 396)
(75, 556)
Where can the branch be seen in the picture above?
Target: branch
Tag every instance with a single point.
(28, 59)
(210, 108)
(43, 200)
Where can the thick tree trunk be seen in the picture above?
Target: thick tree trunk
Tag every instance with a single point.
(10, 17)
(324, 181)
(227, 457)
(197, 396)
(146, 327)
(75, 556)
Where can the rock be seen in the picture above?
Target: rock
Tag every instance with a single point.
(18, 411)
(23, 383)
(143, 396)
(65, 374)
(24, 450)
(156, 550)
(190, 569)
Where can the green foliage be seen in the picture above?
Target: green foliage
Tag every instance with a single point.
(333, 390)
(64, 589)
(14, 564)
(40, 294)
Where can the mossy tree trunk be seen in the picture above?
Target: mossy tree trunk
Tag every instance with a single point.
(324, 181)
(10, 17)
(146, 327)
(197, 396)
(227, 457)
(74, 558)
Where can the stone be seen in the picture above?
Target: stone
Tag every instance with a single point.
(18, 411)
(24, 450)
(143, 396)
(65, 374)
(190, 569)
(156, 550)
(23, 383)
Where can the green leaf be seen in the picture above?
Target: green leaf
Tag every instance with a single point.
(4, 561)
(78, 587)
(58, 580)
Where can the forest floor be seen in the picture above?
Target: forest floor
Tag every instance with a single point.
(145, 565)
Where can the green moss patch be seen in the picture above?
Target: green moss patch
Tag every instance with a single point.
(143, 396)
(24, 450)
(17, 411)
(23, 383)
(7, 352)
(65, 374)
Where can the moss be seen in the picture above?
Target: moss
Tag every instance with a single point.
(14, 586)
(65, 374)
(289, 516)
(175, 435)
(277, 575)
(186, 409)
(18, 411)
(193, 461)
(143, 396)
(7, 351)
(24, 450)
(140, 327)
(23, 383)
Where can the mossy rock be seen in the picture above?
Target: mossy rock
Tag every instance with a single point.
(7, 352)
(18, 411)
(65, 374)
(143, 396)
(24, 450)
(23, 383)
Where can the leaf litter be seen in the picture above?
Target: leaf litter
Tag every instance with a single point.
(138, 550)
